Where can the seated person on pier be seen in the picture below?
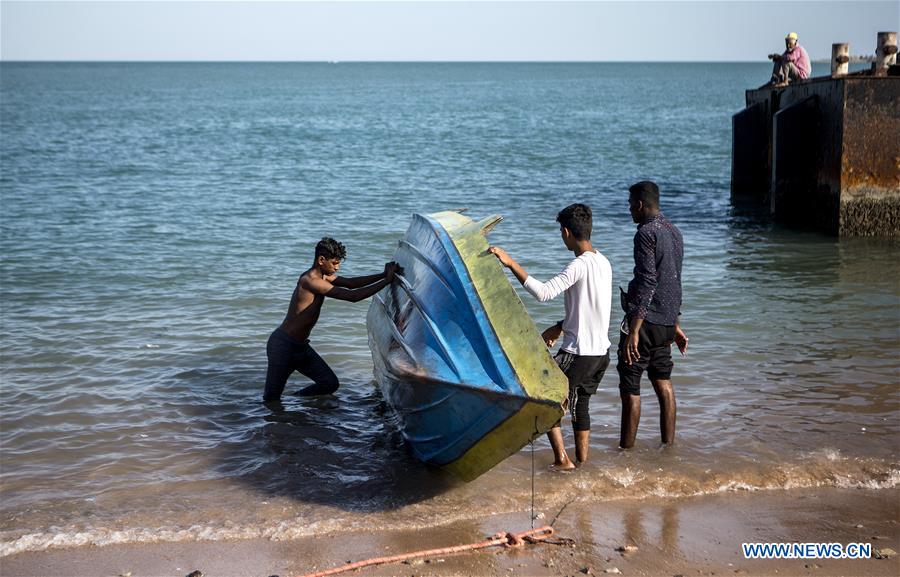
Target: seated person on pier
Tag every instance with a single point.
(791, 65)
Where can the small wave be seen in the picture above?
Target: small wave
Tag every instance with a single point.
(102, 536)
(282, 531)
(601, 486)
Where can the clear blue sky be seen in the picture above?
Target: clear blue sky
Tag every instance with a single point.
(429, 30)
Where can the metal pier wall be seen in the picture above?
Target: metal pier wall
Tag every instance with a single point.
(824, 153)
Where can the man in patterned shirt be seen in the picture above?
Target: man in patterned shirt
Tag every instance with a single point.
(652, 310)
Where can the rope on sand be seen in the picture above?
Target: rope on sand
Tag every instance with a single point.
(504, 539)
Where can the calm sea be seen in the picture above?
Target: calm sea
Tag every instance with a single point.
(155, 218)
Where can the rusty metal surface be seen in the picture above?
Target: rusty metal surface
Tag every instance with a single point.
(871, 158)
(870, 164)
(856, 151)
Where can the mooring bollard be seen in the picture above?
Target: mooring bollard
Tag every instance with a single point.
(886, 54)
(840, 56)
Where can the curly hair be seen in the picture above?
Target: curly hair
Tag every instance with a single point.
(577, 218)
(330, 248)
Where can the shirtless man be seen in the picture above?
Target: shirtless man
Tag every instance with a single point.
(288, 348)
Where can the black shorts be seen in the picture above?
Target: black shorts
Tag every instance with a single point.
(584, 374)
(286, 355)
(655, 348)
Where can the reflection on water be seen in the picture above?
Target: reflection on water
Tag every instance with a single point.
(344, 453)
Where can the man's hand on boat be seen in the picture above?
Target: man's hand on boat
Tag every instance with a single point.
(509, 262)
(551, 335)
(502, 256)
(391, 269)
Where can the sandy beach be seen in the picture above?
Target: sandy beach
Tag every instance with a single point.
(688, 536)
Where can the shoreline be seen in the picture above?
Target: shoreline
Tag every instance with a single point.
(686, 536)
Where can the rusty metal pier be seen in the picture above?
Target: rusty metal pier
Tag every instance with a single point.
(824, 153)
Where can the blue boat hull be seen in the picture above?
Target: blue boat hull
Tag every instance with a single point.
(455, 353)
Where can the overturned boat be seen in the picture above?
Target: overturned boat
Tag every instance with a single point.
(456, 354)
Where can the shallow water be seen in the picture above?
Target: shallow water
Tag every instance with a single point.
(156, 216)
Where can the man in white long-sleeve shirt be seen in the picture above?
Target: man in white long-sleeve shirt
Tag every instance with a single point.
(583, 355)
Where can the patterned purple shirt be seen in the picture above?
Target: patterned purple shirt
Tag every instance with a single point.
(654, 294)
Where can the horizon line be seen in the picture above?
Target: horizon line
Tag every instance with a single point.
(188, 61)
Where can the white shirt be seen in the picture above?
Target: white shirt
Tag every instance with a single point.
(587, 283)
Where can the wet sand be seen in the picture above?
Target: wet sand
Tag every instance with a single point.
(688, 536)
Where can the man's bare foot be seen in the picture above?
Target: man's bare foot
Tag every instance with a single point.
(564, 467)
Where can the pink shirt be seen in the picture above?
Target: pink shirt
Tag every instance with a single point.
(800, 59)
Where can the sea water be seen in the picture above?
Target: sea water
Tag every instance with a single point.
(155, 218)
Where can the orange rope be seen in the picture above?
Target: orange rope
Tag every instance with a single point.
(505, 539)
